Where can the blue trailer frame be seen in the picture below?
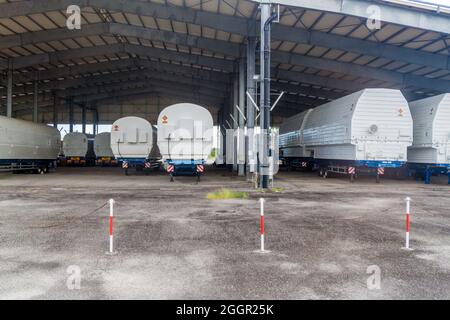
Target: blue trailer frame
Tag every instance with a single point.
(427, 170)
(184, 168)
(140, 164)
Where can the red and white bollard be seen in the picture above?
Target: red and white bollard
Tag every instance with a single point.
(261, 223)
(111, 236)
(408, 221)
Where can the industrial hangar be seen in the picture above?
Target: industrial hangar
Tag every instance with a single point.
(136, 57)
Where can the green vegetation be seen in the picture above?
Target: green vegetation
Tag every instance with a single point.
(223, 194)
(213, 154)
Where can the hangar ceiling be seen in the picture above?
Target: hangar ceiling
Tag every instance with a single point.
(189, 49)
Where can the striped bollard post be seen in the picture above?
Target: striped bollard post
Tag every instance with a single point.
(261, 223)
(111, 236)
(408, 221)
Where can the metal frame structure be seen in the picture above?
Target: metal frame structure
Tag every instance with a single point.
(196, 50)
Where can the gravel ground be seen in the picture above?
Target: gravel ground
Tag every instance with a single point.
(174, 243)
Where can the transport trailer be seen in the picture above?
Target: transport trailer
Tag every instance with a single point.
(185, 139)
(103, 152)
(27, 147)
(305, 164)
(185, 168)
(106, 162)
(429, 154)
(357, 168)
(75, 149)
(133, 144)
(40, 166)
(426, 171)
(363, 133)
(144, 165)
(293, 152)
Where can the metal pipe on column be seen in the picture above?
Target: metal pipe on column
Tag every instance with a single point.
(251, 89)
(9, 89)
(241, 166)
(234, 117)
(95, 120)
(83, 117)
(266, 20)
(71, 117)
(35, 99)
(55, 110)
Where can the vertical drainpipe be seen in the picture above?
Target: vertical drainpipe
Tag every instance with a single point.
(234, 102)
(9, 89)
(158, 106)
(95, 120)
(83, 117)
(71, 120)
(251, 89)
(35, 98)
(266, 19)
(241, 167)
(55, 110)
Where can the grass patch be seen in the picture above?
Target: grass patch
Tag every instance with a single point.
(223, 194)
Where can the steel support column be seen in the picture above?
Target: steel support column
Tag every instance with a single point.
(265, 94)
(251, 89)
(234, 119)
(95, 120)
(241, 104)
(83, 117)
(55, 110)
(35, 99)
(9, 89)
(71, 118)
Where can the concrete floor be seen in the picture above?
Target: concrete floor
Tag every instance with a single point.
(173, 243)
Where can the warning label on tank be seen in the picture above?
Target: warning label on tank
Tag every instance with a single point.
(164, 119)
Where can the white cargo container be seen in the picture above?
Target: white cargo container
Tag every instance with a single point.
(431, 117)
(430, 152)
(132, 141)
(75, 148)
(185, 138)
(369, 128)
(25, 145)
(102, 149)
